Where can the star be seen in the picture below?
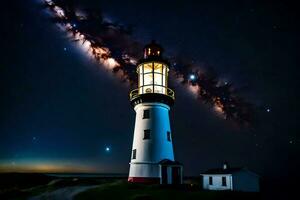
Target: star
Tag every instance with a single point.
(192, 77)
(268, 110)
(107, 149)
(65, 49)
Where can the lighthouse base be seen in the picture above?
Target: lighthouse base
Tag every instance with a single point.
(164, 172)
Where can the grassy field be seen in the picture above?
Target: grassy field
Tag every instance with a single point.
(124, 190)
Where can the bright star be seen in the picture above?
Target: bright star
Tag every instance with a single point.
(268, 110)
(107, 149)
(65, 49)
(192, 77)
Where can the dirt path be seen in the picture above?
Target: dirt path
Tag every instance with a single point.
(66, 193)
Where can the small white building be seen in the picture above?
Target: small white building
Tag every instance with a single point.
(235, 179)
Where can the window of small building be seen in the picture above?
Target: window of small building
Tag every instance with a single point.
(224, 181)
(134, 154)
(146, 114)
(210, 179)
(146, 134)
(169, 135)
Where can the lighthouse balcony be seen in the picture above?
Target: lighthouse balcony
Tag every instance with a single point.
(152, 94)
(161, 90)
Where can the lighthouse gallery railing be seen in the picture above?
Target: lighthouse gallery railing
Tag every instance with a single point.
(135, 93)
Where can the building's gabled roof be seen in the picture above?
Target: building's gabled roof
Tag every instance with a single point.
(223, 171)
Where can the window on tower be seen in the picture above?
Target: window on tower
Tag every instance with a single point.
(169, 135)
(133, 154)
(146, 134)
(146, 114)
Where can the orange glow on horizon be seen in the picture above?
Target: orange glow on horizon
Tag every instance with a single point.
(45, 168)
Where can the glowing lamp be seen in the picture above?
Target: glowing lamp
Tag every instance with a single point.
(152, 77)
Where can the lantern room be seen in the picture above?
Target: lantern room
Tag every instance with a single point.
(152, 72)
(152, 77)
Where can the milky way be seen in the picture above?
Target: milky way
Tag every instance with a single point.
(113, 46)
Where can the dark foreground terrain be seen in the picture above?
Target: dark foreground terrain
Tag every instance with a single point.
(42, 186)
(28, 185)
(123, 190)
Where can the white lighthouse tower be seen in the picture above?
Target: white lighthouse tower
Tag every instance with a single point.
(152, 158)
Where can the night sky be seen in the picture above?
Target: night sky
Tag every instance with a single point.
(60, 110)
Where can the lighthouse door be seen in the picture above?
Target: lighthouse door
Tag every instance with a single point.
(176, 176)
(164, 174)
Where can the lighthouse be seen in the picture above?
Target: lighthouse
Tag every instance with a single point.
(152, 156)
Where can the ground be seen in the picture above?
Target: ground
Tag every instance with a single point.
(40, 186)
(124, 190)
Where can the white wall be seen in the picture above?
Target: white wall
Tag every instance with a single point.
(217, 182)
(157, 147)
(243, 180)
(144, 170)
